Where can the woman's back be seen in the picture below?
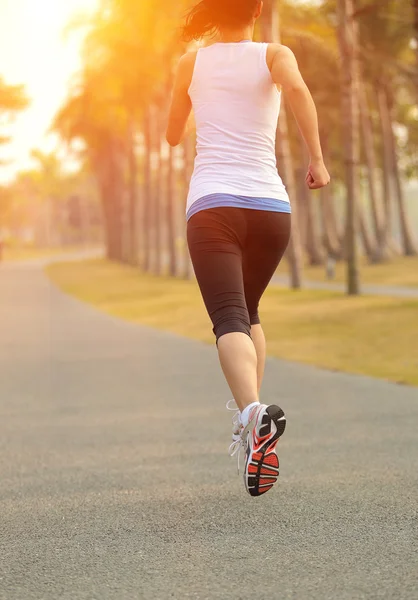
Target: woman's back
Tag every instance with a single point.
(236, 106)
(238, 221)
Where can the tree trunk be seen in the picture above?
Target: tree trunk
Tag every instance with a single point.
(302, 199)
(333, 237)
(347, 37)
(171, 215)
(133, 196)
(313, 238)
(188, 151)
(157, 201)
(109, 176)
(366, 236)
(271, 33)
(380, 251)
(384, 119)
(408, 242)
(415, 9)
(146, 221)
(85, 221)
(332, 240)
(314, 247)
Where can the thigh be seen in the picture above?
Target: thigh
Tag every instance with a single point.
(268, 236)
(214, 238)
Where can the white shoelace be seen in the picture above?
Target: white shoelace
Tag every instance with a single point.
(238, 441)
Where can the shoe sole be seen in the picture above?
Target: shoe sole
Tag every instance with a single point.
(262, 469)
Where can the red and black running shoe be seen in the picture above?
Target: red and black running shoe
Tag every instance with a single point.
(266, 426)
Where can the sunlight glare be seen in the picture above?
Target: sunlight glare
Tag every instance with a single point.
(35, 52)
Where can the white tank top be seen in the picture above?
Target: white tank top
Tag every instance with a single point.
(236, 106)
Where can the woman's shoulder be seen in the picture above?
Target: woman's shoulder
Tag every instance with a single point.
(186, 65)
(276, 50)
(189, 58)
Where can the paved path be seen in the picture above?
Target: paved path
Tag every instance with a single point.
(43, 261)
(378, 290)
(115, 483)
(373, 290)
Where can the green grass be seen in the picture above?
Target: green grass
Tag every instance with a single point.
(22, 253)
(402, 271)
(369, 335)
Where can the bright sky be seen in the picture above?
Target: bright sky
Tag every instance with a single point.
(35, 52)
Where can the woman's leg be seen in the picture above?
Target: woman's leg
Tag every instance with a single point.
(238, 359)
(214, 238)
(259, 340)
(266, 243)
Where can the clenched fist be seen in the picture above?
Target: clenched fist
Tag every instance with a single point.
(317, 176)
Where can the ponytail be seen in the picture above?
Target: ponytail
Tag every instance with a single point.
(210, 15)
(198, 22)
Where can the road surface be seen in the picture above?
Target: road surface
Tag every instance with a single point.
(116, 482)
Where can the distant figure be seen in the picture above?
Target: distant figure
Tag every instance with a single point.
(331, 266)
(238, 210)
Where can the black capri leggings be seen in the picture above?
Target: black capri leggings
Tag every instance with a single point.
(235, 253)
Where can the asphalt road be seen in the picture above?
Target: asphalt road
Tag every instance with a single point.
(115, 482)
(371, 290)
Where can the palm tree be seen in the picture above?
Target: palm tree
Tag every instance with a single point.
(53, 189)
(271, 32)
(147, 191)
(408, 242)
(133, 192)
(91, 115)
(415, 33)
(387, 58)
(171, 214)
(188, 157)
(12, 100)
(108, 109)
(347, 35)
(380, 251)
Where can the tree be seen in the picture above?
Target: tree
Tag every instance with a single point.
(12, 100)
(415, 17)
(125, 61)
(409, 244)
(188, 158)
(380, 250)
(347, 35)
(387, 63)
(271, 32)
(91, 115)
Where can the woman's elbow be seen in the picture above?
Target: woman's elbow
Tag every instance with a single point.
(173, 141)
(172, 137)
(296, 89)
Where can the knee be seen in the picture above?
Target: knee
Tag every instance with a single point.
(231, 320)
(255, 318)
(253, 312)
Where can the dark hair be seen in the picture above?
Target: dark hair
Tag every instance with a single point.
(211, 15)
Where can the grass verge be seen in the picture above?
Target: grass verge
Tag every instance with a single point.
(368, 335)
(23, 253)
(400, 271)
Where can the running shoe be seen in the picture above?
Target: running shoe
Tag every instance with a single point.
(237, 426)
(259, 440)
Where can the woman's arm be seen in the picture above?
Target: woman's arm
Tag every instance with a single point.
(181, 104)
(285, 72)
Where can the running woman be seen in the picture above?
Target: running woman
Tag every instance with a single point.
(238, 210)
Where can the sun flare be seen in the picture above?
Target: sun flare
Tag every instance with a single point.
(35, 52)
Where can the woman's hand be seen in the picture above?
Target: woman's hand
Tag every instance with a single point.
(317, 176)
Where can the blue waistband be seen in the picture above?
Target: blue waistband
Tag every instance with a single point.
(219, 200)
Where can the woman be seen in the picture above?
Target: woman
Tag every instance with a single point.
(238, 211)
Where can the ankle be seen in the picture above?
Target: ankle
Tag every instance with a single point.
(245, 414)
